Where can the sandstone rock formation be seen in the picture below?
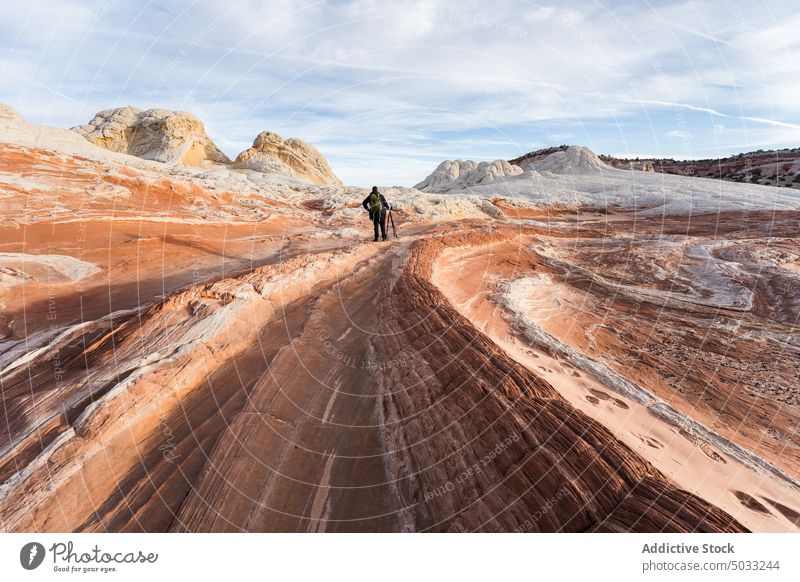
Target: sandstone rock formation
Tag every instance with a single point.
(459, 175)
(271, 153)
(155, 134)
(462, 388)
(8, 112)
(445, 174)
(538, 154)
(453, 175)
(573, 160)
(583, 311)
(574, 176)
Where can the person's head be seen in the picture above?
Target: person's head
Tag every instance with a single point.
(374, 189)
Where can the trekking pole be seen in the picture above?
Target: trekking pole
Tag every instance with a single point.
(391, 220)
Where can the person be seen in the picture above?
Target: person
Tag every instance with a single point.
(377, 206)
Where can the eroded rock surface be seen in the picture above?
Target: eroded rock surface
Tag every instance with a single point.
(461, 175)
(154, 134)
(8, 112)
(271, 153)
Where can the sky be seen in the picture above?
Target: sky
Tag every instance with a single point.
(387, 90)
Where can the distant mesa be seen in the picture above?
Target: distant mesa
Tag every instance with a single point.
(8, 112)
(271, 153)
(154, 134)
(765, 167)
(628, 164)
(461, 174)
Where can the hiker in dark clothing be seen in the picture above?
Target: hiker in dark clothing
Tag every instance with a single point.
(377, 207)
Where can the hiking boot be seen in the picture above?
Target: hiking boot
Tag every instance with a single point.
(375, 239)
(384, 238)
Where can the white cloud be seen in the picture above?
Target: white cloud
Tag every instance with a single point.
(678, 134)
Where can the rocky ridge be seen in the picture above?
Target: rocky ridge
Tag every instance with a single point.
(768, 168)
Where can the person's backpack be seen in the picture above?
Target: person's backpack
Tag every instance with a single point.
(375, 204)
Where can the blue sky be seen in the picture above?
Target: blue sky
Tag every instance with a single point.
(386, 90)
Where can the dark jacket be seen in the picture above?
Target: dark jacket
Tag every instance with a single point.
(367, 204)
